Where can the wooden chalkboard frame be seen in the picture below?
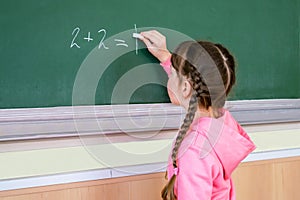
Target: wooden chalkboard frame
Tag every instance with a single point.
(62, 122)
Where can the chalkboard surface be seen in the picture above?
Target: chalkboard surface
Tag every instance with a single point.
(43, 44)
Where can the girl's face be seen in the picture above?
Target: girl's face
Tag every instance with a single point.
(174, 85)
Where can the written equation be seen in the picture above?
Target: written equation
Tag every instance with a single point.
(100, 37)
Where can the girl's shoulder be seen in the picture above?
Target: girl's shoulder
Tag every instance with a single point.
(195, 138)
(205, 132)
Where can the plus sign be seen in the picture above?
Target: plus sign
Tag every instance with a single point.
(88, 38)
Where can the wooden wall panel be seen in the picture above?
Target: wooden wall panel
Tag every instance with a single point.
(116, 191)
(147, 189)
(38, 196)
(254, 182)
(288, 180)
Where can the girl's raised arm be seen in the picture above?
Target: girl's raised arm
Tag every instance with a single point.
(157, 46)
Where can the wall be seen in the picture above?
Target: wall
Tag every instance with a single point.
(276, 179)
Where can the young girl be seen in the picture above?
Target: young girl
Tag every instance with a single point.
(210, 143)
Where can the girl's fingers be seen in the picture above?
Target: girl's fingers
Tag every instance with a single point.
(147, 42)
(158, 34)
(156, 43)
(148, 36)
(154, 36)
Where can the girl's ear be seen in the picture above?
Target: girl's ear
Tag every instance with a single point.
(186, 89)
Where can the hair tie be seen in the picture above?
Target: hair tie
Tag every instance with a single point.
(222, 55)
(227, 68)
(224, 58)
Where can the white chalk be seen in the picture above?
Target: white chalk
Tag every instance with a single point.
(137, 35)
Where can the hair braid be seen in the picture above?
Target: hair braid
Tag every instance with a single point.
(185, 126)
(168, 191)
(200, 87)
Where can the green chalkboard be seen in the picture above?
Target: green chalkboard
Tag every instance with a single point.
(40, 58)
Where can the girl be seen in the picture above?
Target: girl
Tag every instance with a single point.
(210, 143)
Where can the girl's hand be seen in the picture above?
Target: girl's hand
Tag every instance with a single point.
(156, 44)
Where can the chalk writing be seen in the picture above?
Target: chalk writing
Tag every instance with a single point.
(88, 38)
(136, 41)
(102, 39)
(75, 43)
(121, 42)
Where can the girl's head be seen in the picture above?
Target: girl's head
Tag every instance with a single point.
(203, 74)
(208, 68)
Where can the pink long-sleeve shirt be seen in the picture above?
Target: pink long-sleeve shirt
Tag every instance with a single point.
(210, 151)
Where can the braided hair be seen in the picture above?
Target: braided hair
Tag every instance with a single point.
(210, 69)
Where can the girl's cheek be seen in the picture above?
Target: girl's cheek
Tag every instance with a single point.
(172, 95)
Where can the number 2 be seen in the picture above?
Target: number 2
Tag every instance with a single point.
(76, 31)
(102, 39)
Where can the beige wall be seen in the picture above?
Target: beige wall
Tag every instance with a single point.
(47, 159)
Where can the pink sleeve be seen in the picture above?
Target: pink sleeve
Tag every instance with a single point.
(195, 176)
(167, 65)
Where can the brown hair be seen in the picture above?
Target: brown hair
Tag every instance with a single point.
(210, 68)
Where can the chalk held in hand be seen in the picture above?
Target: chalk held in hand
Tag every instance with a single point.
(137, 35)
